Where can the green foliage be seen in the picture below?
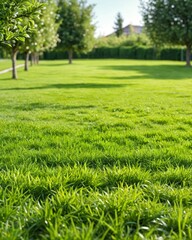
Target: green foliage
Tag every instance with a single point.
(131, 40)
(97, 150)
(45, 35)
(129, 52)
(169, 22)
(171, 54)
(76, 31)
(118, 25)
(16, 22)
(113, 47)
(55, 54)
(15, 18)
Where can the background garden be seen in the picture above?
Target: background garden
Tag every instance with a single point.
(97, 149)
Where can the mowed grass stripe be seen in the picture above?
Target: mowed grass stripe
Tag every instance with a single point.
(101, 149)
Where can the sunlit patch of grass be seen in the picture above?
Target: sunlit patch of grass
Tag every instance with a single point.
(5, 64)
(97, 150)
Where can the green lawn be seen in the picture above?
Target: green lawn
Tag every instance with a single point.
(100, 149)
(5, 64)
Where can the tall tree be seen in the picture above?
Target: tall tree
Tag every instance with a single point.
(169, 22)
(119, 25)
(15, 23)
(76, 31)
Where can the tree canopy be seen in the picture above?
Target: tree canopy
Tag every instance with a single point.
(169, 22)
(45, 36)
(76, 31)
(15, 15)
(16, 22)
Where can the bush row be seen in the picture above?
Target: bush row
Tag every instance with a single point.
(148, 53)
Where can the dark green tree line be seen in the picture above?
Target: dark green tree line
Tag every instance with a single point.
(169, 22)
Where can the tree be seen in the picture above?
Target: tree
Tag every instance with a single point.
(119, 25)
(169, 22)
(45, 36)
(15, 23)
(76, 31)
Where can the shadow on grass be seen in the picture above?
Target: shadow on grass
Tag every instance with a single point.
(70, 86)
(52, 64)
(37, 105)
(157, 72)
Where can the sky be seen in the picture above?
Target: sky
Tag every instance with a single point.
(105, 13)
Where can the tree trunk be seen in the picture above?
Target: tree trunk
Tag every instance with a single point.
(14, 59)
(32, 58)
(70, 55)
(188, 56)
(26, 68)
(37, 58)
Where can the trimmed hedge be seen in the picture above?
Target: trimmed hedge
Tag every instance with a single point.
(134, 52)
(55, 54)
(171, 54)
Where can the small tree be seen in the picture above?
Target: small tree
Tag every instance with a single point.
(45, 36)
(76, 32)
(16, 21)
(169, 22)
(119, 25)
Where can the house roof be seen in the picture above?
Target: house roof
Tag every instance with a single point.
(127, 30)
